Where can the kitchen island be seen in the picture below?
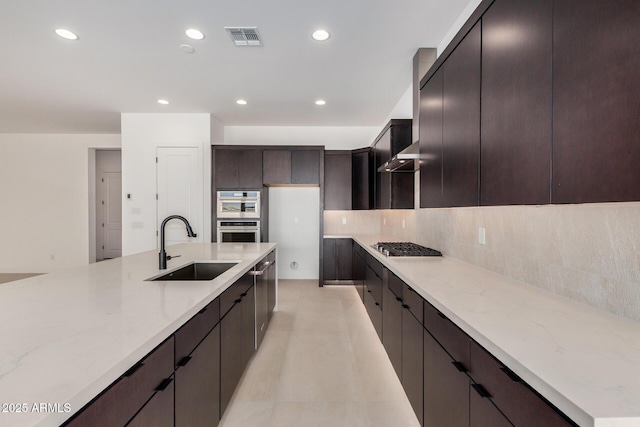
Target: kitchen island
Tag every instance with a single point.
(584, 361)
(67, 336)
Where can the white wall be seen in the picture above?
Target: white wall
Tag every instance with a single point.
(44, 193)
(332, 137)
(142, 134)
(466, 13)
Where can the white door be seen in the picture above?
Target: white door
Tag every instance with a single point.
(180, 192)
(111, 214)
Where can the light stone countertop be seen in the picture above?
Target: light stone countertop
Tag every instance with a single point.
(67, 336)
(583, 360)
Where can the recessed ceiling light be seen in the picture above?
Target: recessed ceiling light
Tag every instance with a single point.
(66, 34)
(163, 102)
(187, 48)
(320, 35)
(192, 33)
(321, 102)
(241, 102)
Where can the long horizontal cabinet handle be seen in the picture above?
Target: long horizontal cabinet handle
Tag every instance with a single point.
(184, 361)
(459, 366)
(133, 369)
(164, 384)
(512, 375)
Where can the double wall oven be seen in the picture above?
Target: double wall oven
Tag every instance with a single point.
(238, 216)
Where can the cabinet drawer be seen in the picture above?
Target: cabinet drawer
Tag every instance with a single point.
(194, 331)
(375, 265)
(120, 402)
(448, 335)
(374, 286)
(413, 301)
(234, 293)
(395, 285)
(374, 311)
(521, 405)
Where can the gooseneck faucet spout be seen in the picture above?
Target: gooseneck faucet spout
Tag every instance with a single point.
(163, 254)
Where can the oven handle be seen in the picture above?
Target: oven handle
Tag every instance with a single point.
(260, 272)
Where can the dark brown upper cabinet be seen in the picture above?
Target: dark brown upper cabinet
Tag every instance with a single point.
(393, 190)
(596, 101)
(362, 183)
(517, 102)
(337, 180)
(300, 166)
(431, 142)
(238, 168)
(461, 123)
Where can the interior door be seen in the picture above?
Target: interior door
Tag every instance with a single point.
(111, 214)
(179, 192)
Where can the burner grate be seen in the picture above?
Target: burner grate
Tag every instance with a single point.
(404, 249)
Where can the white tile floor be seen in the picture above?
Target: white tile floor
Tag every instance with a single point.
(320, 364)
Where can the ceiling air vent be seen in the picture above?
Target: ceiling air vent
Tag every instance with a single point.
(244, 36)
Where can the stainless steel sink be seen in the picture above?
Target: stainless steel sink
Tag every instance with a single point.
(197, 271)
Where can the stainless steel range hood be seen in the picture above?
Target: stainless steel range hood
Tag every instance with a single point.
(404, 161)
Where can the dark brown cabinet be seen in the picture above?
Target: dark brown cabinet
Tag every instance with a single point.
(412, 350)
(596, 100)
(300, 166)
(146, 387)
(461, 123)
(237, 168)
(431, 141)
(337, 261)
(392, 321)
(359, 269)
(337, 180)
(393, 190)
(362, 183)
(158, 410)
(373, 294)
(516, 102)
(237, 305)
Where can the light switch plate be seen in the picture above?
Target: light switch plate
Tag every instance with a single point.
(482, 236)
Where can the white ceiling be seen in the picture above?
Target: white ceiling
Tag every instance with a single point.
(128, 56)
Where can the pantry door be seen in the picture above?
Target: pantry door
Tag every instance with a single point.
(179, 192)
(111, 224)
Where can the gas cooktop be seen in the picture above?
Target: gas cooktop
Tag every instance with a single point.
(404, 249)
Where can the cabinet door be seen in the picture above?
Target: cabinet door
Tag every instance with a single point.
(329, 259)
(392, 328)
(517, 103)
(197, 385)
(374, 311)
(195, 330)
(359, 269)
(305, 167)
(596, 100)
(230, 354)
(120, 402)
(276, 167)
(461, 123)
(431, 142)
(250, 169)
(337, 180)
(343, 259)
(262, 305)
(271, 283)
(412, 362)
(158, 411)
(483, 413)
(446, 388)
(382, 151)
(248, 326)
(226, 169)
(361, 178)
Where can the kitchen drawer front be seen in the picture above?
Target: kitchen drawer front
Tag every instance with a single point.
(395, 285)
(124, 398)
(375, 312)
(234, 293)
(414, 302)
(359, 250)
(374, 285)
(449, 336)
(521, 405)
(375, 265)
(195, 330)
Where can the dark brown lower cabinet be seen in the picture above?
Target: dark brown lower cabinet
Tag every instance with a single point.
(359, 269)
(271, 284)
(392, 328)
(248, 326)
(374, 310)
(446, 388)
(230, 354)
(483, 413)
(158, 411)
(412, 362)
(132, 392)
(197, 384)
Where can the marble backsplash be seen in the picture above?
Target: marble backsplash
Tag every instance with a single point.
(589, 253)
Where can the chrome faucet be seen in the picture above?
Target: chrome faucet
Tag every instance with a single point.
(163, 254)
